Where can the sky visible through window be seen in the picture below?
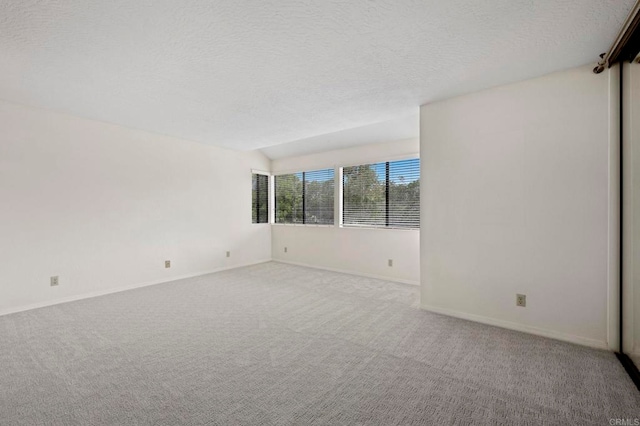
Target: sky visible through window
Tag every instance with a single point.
(398, 170)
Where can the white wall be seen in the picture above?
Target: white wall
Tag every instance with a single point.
(631, 211)
(515, 199)
(359, 251)
(102, 207)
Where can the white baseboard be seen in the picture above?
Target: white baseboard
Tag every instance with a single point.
(344, 271)
(584, 341)
(120, 289)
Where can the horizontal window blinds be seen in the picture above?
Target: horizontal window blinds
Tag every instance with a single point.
(288, 191)
(382, 194)
(318, 197)
(404, 194)
(260, 199)
(305, 197)
(364, 195)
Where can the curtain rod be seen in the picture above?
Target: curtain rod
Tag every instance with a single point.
(612, 56)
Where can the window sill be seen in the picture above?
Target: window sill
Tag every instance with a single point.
(379, 228)
(366, 228)
(314, 225)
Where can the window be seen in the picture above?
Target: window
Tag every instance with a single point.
(260, 198)
(382, 194)
(318, 197)
(288, 189)
(305, 197)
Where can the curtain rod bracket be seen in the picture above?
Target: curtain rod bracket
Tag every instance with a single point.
(601, 64)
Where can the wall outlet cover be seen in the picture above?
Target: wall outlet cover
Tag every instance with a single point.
(54, 281)
(167, 264)
(521, 300)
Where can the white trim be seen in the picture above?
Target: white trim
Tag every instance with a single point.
(383, 159)
(584, 341)
(260, 172)
(344, 271)
(302, 171)
(629, 199)
(272, 200)
(379, 228)
(120, 289)
(317, 225)
(613, 258)
(338, 197)
(296, 171)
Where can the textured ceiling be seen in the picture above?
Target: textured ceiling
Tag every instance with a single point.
(249, 74)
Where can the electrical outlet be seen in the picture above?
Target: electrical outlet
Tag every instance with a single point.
(390, 262)
(228, 254)
(167, 264)
(285, 249)
(54, 281)
(521, 300)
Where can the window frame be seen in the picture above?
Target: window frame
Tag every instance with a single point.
(304, 198)
(387, 193)
(269, 196)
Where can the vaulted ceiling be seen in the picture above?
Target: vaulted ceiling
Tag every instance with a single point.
(248, 74)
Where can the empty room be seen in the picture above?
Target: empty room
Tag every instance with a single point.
(366, 212)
